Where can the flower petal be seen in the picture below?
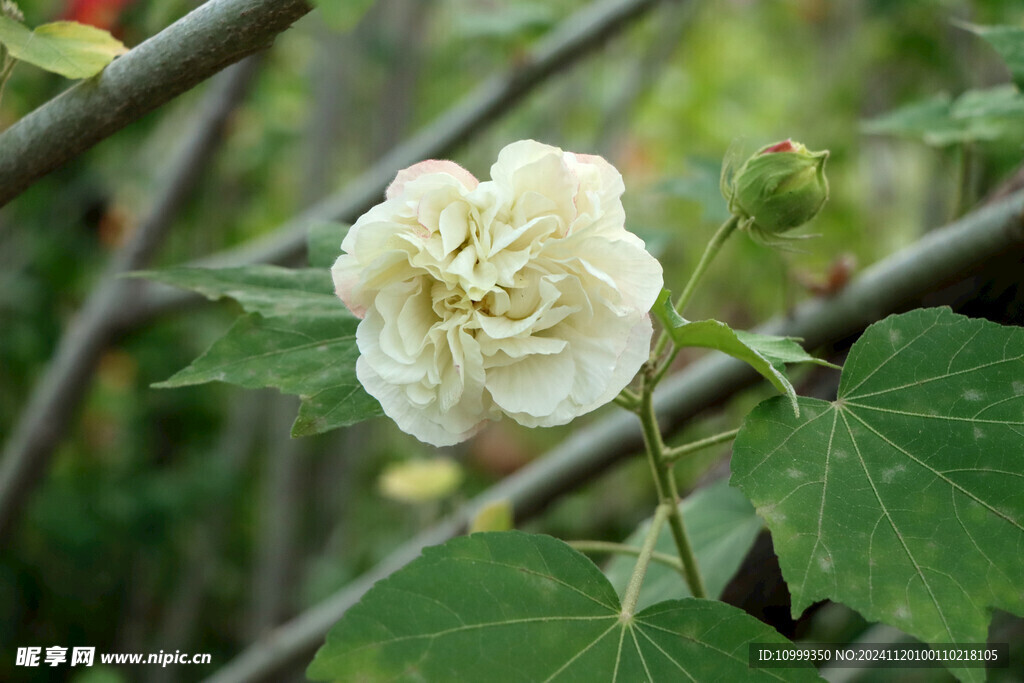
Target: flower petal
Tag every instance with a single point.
(405, 176)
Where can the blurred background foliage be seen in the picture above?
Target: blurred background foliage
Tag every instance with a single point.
(187, 519)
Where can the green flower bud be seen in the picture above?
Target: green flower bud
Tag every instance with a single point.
(780, 188)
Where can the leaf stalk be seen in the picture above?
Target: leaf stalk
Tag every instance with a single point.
(672, 455)
(636, 580)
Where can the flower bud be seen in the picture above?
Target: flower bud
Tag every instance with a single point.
(780, 188)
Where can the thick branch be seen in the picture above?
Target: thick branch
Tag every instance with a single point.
(576, 37)
(56, 395)
(217, 34)
(940, 257)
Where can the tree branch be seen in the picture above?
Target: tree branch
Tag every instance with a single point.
(57, 393)
(577, 36)
(940, 257)
(218, 33)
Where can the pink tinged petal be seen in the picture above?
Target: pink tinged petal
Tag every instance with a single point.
(397, 187)
(534, 386)
(596, 174)
(345, 272)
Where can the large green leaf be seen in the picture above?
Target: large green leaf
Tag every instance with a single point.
(313, 357)
(904, 498)
(68, 48)
(510, 606)
(765, 353)
(722, 526)
(271, 291)
(1008, 41)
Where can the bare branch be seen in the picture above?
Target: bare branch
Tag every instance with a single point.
(218, 33)
(941, 256)
(57, 393)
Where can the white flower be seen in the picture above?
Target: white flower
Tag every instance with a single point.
(523, 295)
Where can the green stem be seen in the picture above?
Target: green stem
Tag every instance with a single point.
(628, 400)
(671, 455)
(714, 246)
(667, 492)
(636, 580)
(623, 549)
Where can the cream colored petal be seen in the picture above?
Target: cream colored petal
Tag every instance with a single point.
(515, 156)
(514, 348)
(410, 418)
(453, 223)
(533, 386)
(374, 346)
(431, 166)
(632, 356)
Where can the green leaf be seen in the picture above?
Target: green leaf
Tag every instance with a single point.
(933, 122)
(510, 606)
(1008, 41)
(780, 351)
(903, 498)
(323, 242)
(313, 357)
(67, 48)
(271, 291)
(722, 526)
(1000, 101)
(342, 15)
(764, 353)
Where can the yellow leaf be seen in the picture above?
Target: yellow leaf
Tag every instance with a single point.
(68, 48)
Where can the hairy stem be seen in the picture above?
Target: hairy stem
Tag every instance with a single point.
(672, 455)
(636, 580)
(667, 492)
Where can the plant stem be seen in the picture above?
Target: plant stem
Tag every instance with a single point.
(671, 455)
(667, 493)
(643, 559)
(714, 246)
(628, 400)
(623, 549)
